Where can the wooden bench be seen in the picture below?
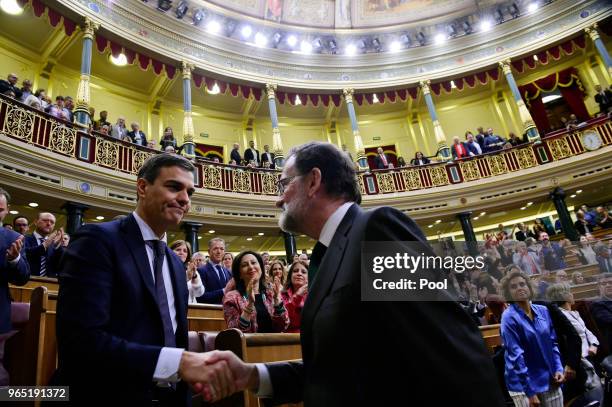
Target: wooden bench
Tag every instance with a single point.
(254, 348)
(24, 293)
(585, 291)
(36, 281)
(491, 335)
(205, 311)
(206, 324)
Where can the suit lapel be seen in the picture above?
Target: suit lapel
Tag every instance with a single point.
(328, 269)
(136, 245)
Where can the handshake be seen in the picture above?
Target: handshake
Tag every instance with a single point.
(217, 374)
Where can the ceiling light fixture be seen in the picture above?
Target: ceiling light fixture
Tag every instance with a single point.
(215, 90)
(100, 217)
(260, 234)
(375, 99)
(213, 27)
(351, 50)
(14, 212)
(260, 40)
(440, 38)
(485, 25)
(246, 31)
(249, 238)
(197, 17)
(532, 7)
(292, 41)
(181, 9)
(119, 60)
(33, 204)
(11, 7)
(573, 196)
(211, 231)
(305, 47)
(395, 46)
(579, 191)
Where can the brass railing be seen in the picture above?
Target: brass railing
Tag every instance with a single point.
(37, 128)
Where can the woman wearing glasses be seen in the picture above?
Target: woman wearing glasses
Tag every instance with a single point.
(533, 368)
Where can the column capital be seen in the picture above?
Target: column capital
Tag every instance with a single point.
(271, 89)
(425, 86)
(505, 66)
(592, 31)
(186, 68)
(89, 27)
(348, 94)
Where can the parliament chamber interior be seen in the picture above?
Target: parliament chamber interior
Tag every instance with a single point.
(485, 125)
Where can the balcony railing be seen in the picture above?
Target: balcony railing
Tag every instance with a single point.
(37, 128)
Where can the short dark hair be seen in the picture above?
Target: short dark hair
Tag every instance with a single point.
(6, 195)
(20, 217)
(240, 286)
(337, 171)
(151, 167)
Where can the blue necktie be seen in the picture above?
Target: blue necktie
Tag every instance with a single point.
(159, 249)
(221, 275)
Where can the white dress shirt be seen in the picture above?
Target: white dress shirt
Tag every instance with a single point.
(327, 234)
(586, 336)
(169, 358)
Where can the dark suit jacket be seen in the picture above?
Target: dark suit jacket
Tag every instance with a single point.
(235, 155)
(602, 313)
(248, 155)
(602, 102)
(414, 161)
(378, 162)
(213, 286)
(143, 140)
(381, 353)
(109, 328)
(456, 153)
(264, 159)
(17, 274)
(472, 148)
(34, 251)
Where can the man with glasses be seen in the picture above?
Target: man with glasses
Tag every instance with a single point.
(410, 343)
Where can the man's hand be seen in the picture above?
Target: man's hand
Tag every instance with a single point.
(15, 249)
(208, 374)
(246, 376)
(592, 350)
(569, 373)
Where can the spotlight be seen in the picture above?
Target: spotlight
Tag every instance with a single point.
(213, 27)
(260, 40)
(181, 9)
(395, 46)
(440, 38)
(305, 47)
(351, 50)
(420, 38)
(292, 41)
(11, 7)
(246, 31)
(499, 16)
(197, 17)
(485, 25)
(467, 27)
(532, 7)
(164, 5)
(513, 10)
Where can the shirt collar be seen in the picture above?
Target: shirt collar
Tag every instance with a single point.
(332, 223)
(147, 232)
(37, 235)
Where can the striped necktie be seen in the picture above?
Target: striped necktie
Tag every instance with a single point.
(43, 260)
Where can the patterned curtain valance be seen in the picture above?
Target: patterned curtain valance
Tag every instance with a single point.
(566, 78)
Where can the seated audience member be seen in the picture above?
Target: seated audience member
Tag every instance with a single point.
(227, 260)
(118, 130)
(589, 215)
(527, 260)
(533, 369)
(472, 145)
(603, 98)
(401, 162)
(561, 276)
(514, 140)
(581, 225)
(601, 309)
(21, 224)
(102, 121)
(42, 97)
(10, 85)
(577, 278)
(168, 139)
(492, 142)
(419, 159)
(572, 123)
(294, 294)
(136, 135)
(552, 254)
(57, 110)
(44, 248)
(603, 218)
(250, 307)
(214, 276)
(585, 252)
(276, 269)
(458, 149)
(604, 259)
(33, 102)
(194, 284)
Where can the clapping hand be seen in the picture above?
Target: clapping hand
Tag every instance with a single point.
(191, 270)
(250, 289)
(276, 290)
(13, 251)
(303, 290)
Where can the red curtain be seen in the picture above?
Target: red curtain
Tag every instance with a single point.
(574, 97)
(538, 112)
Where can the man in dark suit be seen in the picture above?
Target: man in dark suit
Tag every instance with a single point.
(13, 265)
(480, 137)
(601, 309)
(381, 161)
(459, 149)
(122, 303)
(267, 157)
(10, 84)
(472, 146)
(137, 136)
(251, 154)
(214, 275)
(44, 247)
(358, 352)
(235, 155)
(603, 99)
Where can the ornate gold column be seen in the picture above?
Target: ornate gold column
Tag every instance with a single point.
(529, 126)
(188, 132)
(81, 112)
(443, 150)
(603, 51)
(362, 161)
(277, 142)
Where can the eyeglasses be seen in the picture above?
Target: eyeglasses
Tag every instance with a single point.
(604, 283)
(284, 182)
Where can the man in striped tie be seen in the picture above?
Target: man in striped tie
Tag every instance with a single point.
(44, 247)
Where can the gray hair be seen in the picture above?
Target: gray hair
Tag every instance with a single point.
(600, 248)
(215, 239)
(7, 196)
(559, 293)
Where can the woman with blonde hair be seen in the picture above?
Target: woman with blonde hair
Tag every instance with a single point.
(276, 269)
